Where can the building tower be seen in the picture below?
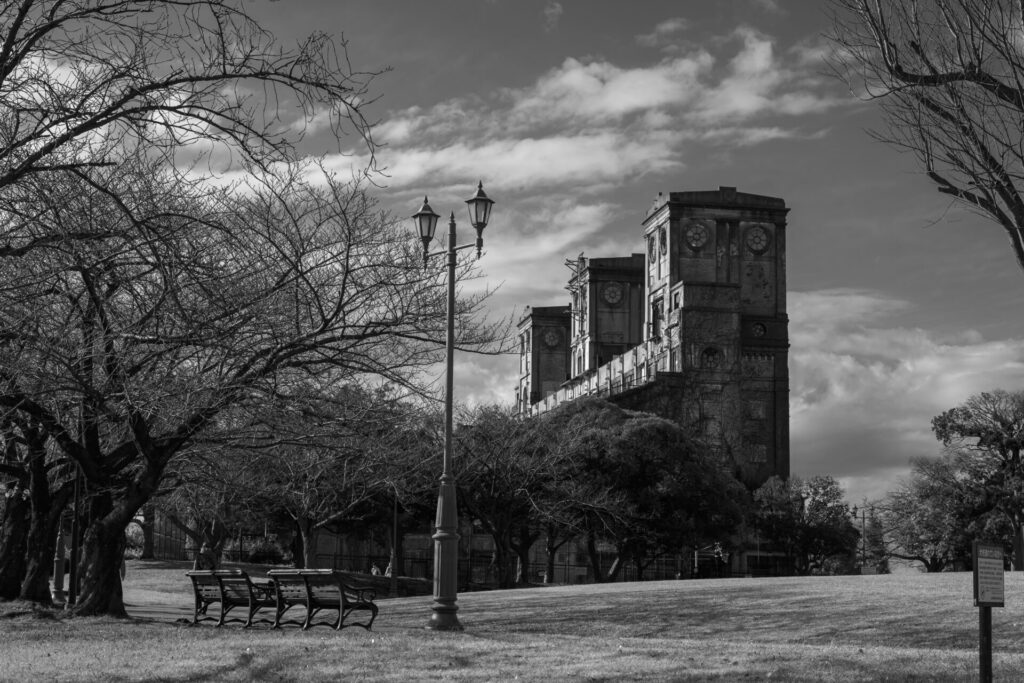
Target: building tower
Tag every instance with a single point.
(694, 330)
(716, 304)
(544, 342)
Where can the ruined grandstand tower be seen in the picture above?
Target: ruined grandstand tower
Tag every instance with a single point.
(694, 330)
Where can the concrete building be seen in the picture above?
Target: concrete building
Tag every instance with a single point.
(694, 330)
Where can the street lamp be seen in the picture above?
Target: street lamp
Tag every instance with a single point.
(446, 536)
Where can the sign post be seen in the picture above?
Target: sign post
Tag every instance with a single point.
(988, 593)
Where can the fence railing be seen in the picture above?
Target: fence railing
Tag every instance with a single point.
(480, 572)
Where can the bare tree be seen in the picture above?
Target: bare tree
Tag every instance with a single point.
(949, 76)
(194, 302)
(83, 83)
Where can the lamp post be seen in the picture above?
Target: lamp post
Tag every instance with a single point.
(446, 536)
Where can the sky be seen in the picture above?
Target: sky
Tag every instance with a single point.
(575, 114)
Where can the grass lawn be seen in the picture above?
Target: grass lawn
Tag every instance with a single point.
(905, 627)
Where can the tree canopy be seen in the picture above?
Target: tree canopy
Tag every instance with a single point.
(989, 428)
(808, 521)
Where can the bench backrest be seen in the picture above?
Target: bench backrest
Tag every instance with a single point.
(324, 586)
(236, 587)
(205, 585)
(213, 584)
(300, 585)
(289, 583)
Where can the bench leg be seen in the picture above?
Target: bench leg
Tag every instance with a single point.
(341, 618)
(306, 625)
(369, 607)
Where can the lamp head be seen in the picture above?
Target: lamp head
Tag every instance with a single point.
(426, 224)
(479, 214)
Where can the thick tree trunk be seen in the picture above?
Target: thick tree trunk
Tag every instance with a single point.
(13, 542)
(103, 548)
(100, 568)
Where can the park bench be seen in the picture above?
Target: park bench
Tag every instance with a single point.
(321, 589)
(230, 588)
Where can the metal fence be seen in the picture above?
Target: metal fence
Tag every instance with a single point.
(479, 572)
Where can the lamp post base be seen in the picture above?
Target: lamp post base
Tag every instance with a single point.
(444, 618)
(446, 560)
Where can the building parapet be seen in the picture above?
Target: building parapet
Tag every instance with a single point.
(638, 366)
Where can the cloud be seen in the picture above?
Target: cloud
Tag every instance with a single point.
(552, 14)
(758, 83)
(579, 92)
(863, 388)
(744, 88)
(582, 160)
(664, 33)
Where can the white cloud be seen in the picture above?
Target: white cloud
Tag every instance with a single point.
(582, 160)
(599, 91)
(758, 83)
(581, 108)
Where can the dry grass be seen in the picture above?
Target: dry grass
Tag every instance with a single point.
(909, 627)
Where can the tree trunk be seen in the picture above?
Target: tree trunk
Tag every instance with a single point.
(595, 558)
(310, 534)
(522, 566)
(42, 542)
(503, 556)
(44, 519)
(550, 548)
(522, 551)
(13, 542)
(215, 536)
(102, 553)
(298, 548)
(398, 569)
(148, 522)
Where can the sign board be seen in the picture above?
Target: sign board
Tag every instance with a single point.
(988, 575)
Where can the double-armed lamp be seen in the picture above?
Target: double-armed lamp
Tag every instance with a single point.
(446, 536)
